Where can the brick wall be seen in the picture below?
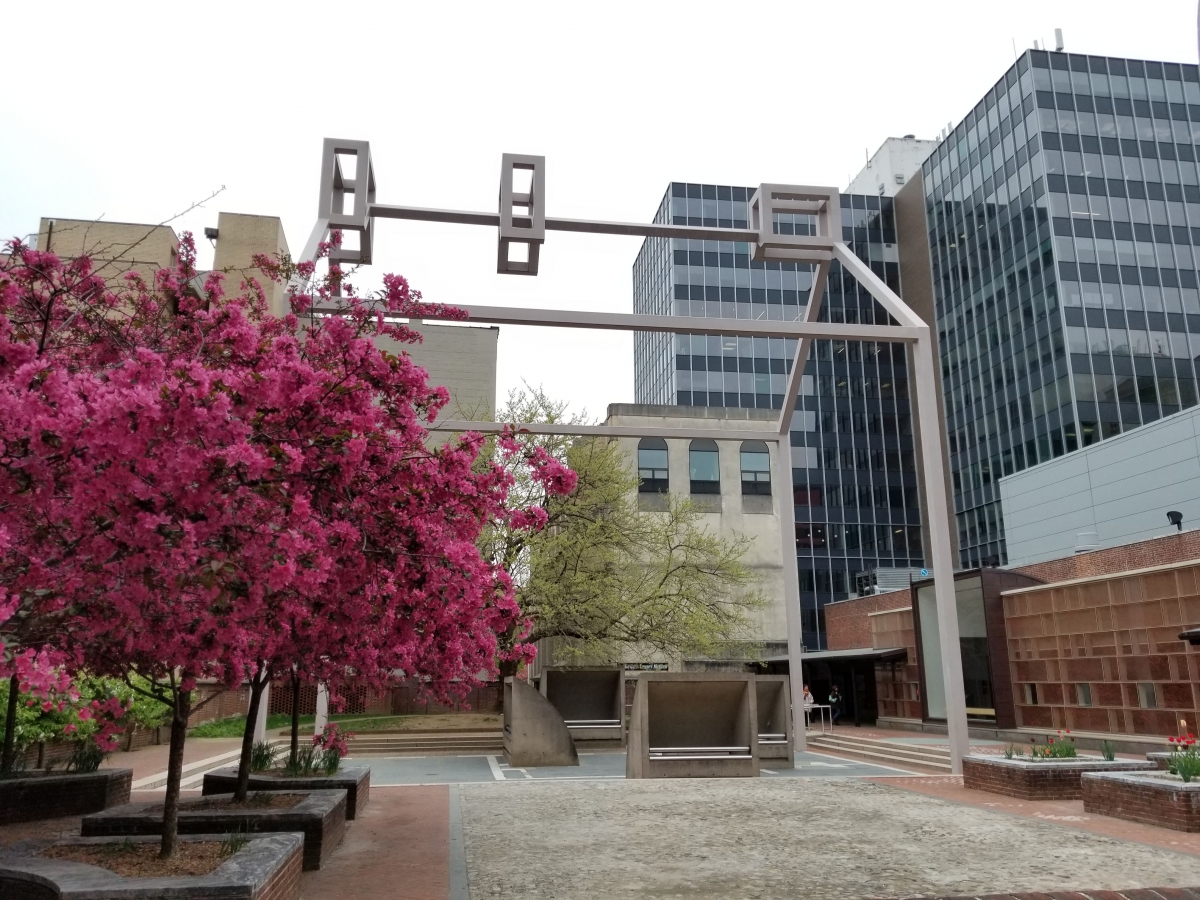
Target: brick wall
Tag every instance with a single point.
(846, 624)
(1112, 634)
(1174, 548)
(1141, 800)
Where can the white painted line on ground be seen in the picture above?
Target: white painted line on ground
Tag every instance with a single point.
(496, 773)
(769, 771)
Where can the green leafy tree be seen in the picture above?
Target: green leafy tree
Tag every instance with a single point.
(609, 579)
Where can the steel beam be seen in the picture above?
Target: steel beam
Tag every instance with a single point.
(594, 226)
(569, 318)
(933, 463)
(787, 515)
(614, 431)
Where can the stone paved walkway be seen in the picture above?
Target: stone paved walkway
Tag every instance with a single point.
(778, 838)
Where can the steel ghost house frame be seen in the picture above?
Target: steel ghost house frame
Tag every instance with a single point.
(522, 225)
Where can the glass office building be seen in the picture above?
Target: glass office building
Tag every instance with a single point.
(856, 495)
(1061, 218)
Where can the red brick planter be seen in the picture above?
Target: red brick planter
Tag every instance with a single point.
(31, 797)
(1153, 799)
(1042, 779)
(354, 780)
(320, 816)
(267, 868)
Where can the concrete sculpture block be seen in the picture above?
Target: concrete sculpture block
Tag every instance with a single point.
(693, 725)
(590, 700)
(776, 742)
(534, 732)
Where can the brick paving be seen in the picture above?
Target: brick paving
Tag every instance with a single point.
(397, 849)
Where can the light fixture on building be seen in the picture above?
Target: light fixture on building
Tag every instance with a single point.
(211, 234)
(1176, 519)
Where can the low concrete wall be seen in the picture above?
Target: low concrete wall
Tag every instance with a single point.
(267, 868)
(693, 725)
(590, 700)
(320, 816)
(775, 739)
(354, 780)
(32, 797)
(534, 733)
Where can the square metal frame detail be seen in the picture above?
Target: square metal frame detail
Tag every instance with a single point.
(334, 188)
(527, 227)
(819, 249)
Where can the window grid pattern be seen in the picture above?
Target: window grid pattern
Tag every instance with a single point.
(856, 496)
(1062, 214)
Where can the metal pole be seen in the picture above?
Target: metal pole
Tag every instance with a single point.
(925, 368)
(791, 586)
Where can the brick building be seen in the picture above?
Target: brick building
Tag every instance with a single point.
(1089, 642)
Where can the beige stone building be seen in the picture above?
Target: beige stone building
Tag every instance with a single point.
(731, 481)
(461, 358)
(116, 248)
(239, 238)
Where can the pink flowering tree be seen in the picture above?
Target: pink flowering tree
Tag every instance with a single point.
(218, 490)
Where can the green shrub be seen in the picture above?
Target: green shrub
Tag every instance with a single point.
(306, 761)
(1108, 750)
(262, 756)
(1012, 750)
(86, 757)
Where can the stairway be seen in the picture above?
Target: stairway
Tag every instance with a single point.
(425, 743)
(917, 757)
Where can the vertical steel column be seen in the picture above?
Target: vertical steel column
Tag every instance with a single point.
(933, 463)
(791, 582)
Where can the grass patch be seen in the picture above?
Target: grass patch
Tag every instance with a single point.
(235, 726)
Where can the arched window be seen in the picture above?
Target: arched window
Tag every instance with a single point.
(705, 465)
(756, 468)
(652, 466)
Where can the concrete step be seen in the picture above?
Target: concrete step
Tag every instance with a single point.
(428, 742)
(193, 773)
(883, 752)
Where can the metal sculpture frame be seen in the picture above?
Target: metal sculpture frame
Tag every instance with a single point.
(769, 201)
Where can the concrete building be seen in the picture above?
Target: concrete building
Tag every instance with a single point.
(856, 503)
(1115, 492)
(116, 248)
(461, 358)
(238, 238)
(891, 167)
(1091, 642)
(730, 481)
(1060, 220)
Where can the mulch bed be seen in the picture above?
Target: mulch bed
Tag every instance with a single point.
(141, 860)
(259, 800)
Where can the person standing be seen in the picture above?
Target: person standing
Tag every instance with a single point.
(808, 705)
(835, 704)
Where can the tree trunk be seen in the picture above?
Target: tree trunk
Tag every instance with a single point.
(295, 752)
(9, 755)
(179, 723)
(257, 685)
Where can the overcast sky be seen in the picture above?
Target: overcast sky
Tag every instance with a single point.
(132, 112)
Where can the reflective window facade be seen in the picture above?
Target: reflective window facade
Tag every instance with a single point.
(1062, 213)
(856, 496)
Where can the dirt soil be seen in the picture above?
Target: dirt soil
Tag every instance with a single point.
(260, 800)
(141, 860)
